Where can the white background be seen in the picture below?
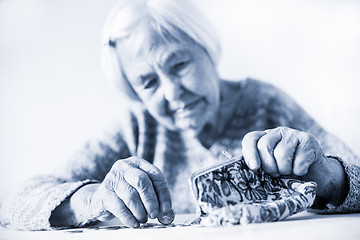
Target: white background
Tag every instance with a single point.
(53, 96)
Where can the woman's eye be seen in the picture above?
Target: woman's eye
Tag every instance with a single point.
(150, 83)
(179, 66)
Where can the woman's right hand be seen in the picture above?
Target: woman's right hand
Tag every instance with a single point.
(132, 191)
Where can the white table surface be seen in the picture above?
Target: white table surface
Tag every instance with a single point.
(304, 226)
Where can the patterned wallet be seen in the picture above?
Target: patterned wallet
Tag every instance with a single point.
(230, 193)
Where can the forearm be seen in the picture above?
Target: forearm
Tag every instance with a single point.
(76, 210)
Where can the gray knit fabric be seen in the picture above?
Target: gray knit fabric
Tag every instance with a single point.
(258, 106)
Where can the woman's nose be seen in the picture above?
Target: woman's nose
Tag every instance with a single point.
(172, 89)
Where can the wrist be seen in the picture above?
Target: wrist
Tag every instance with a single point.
(76, 209)
(341, 184)
(333, 191)
(81, 204)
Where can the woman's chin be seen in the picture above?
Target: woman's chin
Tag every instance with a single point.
(191, 125)
(186, 124)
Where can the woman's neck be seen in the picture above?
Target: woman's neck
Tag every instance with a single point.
(216, 125)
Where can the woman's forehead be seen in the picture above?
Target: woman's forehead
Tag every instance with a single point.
(145, 61)
(155, 49)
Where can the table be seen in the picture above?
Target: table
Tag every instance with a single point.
(304, 226)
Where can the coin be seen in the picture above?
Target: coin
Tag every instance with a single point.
(166, 218)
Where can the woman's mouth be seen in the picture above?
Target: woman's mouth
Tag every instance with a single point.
(190, 105)
(190, 109)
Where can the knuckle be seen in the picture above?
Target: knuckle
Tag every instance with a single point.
(112, 179)
(311, 155)
(116, 165)
(279, 153)
(131, 195)
(162, 187)
(245, 141)
(143, 182)
(156, 172)
(127, 163)
(282, 130)
(119, 164)
(290, 140)
(251, 136)
(265, 147)
(262, 144)
(135, 161)
(309, 145)
(307, 138)
(269, 149)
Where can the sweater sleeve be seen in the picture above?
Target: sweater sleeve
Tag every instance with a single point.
(286, 112)
(30, 207)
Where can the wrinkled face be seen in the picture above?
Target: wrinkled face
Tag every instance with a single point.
(177, 82)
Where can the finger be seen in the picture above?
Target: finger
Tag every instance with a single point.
(106, 216)
(284, 153)
(305, 154)
(117, 207)
(249, 149)
(115, 182)
(132, 200)
(159, 183)
(266, 146)
(143, 185)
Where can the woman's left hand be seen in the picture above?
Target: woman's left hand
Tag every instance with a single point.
(285, 151)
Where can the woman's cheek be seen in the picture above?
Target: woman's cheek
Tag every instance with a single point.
(158, 108)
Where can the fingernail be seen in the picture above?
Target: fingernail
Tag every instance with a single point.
(154, 214)
(166, 207)
(253, 165)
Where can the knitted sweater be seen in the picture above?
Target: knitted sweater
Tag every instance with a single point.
(257, 106)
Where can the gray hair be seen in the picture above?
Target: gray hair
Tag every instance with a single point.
(177, 20)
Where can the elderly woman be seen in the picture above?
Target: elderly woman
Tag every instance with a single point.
(179, 115)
